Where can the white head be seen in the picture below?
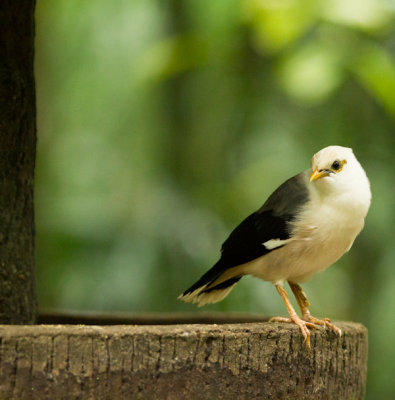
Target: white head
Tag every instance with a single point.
(336, 171)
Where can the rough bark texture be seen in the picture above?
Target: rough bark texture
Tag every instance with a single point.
(191, 361)
(17, 157)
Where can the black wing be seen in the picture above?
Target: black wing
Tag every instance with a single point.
(245, 243)
(271, 221)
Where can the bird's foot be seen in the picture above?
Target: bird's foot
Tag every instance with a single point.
(325, 322)
(302, 324)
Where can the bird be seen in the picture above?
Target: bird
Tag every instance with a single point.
(303, 227)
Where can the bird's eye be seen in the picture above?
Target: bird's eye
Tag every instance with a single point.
(336, 165)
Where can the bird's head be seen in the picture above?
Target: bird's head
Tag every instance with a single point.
(336, 170)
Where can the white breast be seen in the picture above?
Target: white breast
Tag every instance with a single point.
(322, 234)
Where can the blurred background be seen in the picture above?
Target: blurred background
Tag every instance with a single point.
(163, 123)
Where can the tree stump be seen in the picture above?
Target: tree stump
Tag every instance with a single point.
(251, 360)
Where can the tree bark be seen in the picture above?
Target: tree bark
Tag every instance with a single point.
(190, 361)
(17, 158)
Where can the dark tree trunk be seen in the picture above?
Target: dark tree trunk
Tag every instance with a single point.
(17, 157)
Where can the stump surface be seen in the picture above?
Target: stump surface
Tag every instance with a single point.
(185, 361)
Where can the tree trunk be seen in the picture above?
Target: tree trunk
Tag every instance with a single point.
(185, 361)
(17, 158)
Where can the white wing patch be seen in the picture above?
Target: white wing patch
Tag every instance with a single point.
(274, 243)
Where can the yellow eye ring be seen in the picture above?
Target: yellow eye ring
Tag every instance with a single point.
(337, 165)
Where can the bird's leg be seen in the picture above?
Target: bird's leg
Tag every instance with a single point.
(304, 308)
(293, 317)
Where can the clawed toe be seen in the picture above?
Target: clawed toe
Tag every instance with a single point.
(303, 326)
(307, 321)
(325, 322)
(334, 328)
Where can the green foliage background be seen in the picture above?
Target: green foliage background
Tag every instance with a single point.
(162, 124)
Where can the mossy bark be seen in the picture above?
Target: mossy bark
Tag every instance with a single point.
(190, 361)
(17, 158)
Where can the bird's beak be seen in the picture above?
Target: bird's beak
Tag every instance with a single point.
(318, 174)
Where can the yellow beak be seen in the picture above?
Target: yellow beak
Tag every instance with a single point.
(318, 174)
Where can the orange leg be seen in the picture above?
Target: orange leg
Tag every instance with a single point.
(293, 317)
(304, 308)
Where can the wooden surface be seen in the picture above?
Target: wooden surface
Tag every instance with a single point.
(149, 318)
(256, 360)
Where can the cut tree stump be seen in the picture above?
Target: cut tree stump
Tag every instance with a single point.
(250, 360)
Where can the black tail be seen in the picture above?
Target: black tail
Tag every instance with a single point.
(222, 285)
(209, 277)
(206, 290)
